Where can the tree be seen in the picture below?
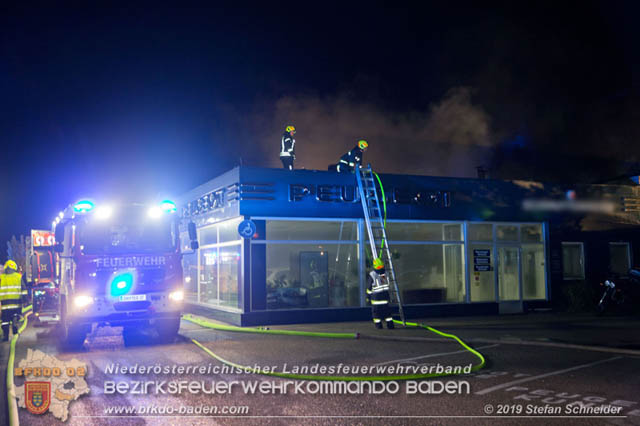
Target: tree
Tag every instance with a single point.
(16, 251)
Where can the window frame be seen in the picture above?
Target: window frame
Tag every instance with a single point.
(582, 275)
(629, 259)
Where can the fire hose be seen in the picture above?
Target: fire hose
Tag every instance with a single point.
(212, 325)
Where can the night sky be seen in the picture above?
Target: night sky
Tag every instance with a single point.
(149, 101)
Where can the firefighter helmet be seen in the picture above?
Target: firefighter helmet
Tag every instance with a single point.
(10, 264)
(290, 129)
(377, 263)
(362, 144)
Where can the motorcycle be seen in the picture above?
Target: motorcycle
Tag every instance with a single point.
(619, 295)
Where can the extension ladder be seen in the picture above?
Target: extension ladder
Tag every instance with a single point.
(374, 221)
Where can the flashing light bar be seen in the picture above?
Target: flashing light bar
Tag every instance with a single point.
(83, 206)
(167, 206)
(154, 212)
(104, 212)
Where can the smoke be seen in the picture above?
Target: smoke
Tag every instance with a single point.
(450, 139)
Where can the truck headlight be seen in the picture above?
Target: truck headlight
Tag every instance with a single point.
(177, 296)
(82, 301)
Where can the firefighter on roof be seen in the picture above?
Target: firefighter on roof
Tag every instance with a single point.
(288, 148)
(378, 295)
(11, 293)
(352, 159)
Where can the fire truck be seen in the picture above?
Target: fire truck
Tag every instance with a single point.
(40, 276)
(119, 265)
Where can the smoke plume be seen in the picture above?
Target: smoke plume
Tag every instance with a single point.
(451, 138)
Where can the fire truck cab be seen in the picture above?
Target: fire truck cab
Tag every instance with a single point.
(119, 265)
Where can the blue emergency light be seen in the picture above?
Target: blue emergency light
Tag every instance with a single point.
(83, 206)
(121, 284)
(168, 206)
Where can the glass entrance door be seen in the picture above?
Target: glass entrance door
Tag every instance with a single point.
(509, 273)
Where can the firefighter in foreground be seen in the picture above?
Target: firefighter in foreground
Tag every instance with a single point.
(288, 148)
(378, 295)
(11, 293)
(351, 160)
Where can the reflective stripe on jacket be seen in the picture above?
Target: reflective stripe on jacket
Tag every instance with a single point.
(10, 290)
(287, 145)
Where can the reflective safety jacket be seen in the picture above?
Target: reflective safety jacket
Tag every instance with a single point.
(378, 291)
(11, 291)
(287, 145)
(350, 160)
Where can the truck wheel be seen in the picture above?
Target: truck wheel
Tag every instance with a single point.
(167, 329)
(72, 335)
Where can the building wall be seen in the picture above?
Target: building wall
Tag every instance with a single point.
(288, 253)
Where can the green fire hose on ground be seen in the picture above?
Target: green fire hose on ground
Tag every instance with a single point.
(221, 327)
(11, 392)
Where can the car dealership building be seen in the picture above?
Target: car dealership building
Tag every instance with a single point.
(280, 246)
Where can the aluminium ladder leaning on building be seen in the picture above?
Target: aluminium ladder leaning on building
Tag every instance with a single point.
(375, 224)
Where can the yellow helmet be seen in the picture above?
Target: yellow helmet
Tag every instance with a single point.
(378, 263)
(290, 129)
(362, 144)
(11, 265)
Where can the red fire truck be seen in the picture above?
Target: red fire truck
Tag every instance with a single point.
(40, 276)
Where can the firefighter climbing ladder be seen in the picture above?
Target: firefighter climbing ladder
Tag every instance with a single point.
(375, 223)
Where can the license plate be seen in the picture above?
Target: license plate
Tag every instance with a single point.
(133, 297)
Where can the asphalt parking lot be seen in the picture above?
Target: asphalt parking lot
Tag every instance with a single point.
(540, 368)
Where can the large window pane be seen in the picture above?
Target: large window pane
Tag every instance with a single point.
(508, 277)
(429, 273)
(309, 230)
(533, 271)
(401, 231)
(209, 275)
(480, 232)
(619, 259)
(531, 233)
(228, 230)
(482, 280)
(572, 261)
(507, 232)
(230, 261)
(312, 275)
(208, 235)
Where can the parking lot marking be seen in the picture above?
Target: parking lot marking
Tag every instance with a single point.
(542, 376)
(433, 355)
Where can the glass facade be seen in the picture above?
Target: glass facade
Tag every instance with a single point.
(312, 276)
(429, 273)
(218, 265)
(311, 264)
(507, 262)
(482, 278)
(307, 264)
(533, 271)
(428, 258)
